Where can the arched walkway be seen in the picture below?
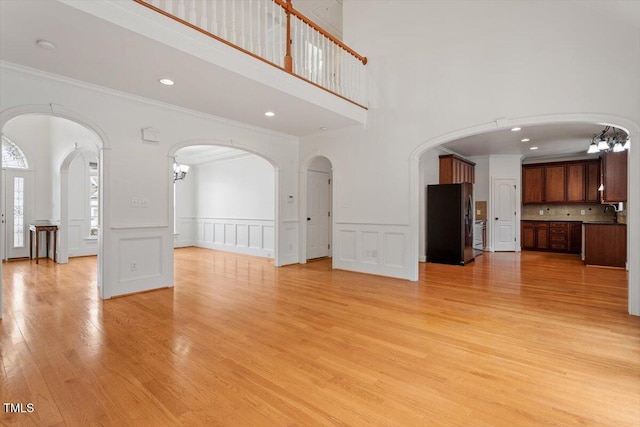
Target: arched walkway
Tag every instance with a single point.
(303, 200)
(104, 146)
(633, 226)
(251, 150)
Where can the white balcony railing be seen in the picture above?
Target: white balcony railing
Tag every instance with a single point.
(262, 28)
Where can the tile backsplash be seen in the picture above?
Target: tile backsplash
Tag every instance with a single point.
(573, 212)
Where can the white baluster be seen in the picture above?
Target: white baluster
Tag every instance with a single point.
(204, 17)
(259, 31)
(225, 34)
(281, 38)
(273, 29)
(316, 51)
(181, 9)
(243, 38)
(233, 22)
(168, 6)
(192, 13)
(155, 3)
(214, 17)
(251, 27)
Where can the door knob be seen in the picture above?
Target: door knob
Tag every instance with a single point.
(496, 218)
(308, 219)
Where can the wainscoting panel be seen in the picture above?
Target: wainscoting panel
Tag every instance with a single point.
(288, 242)
(230, 234)
(141, 260)
(394, 250)
(372, 248)
(346, 250)
(246, 236)
(79, 241)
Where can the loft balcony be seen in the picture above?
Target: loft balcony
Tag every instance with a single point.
(229, 58)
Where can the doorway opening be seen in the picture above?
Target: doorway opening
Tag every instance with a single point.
(319, 208)
(56, 186)
(226, 200)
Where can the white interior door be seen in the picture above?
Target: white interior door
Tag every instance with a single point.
(504, 215)
(16, 214)
(318, 214)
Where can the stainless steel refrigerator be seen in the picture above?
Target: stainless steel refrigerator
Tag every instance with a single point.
(450, 223)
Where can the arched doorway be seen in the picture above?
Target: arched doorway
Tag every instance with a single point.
(58, 112)
(316, 207)
(633, 228)
(227, 200)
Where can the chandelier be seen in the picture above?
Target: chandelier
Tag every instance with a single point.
(610, 139)
(179, 171)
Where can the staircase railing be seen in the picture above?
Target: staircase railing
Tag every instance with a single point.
(275, 32)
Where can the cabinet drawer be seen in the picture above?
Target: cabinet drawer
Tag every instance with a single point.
(558, 238)
(562, 225)
(559, 246)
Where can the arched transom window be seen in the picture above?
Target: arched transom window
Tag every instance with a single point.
(12, 155)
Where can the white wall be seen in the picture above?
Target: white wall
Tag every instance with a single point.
(229, 206)
(137, 228)
(433, 81)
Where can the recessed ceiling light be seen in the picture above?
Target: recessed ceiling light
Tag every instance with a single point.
(515, 129)
(322, 128)
(45, 44)
(525, 140)
(167, 82)
(269, 114)
(533, 148)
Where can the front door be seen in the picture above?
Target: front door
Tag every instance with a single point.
(16, 210)
(504, 215)
(318, 214)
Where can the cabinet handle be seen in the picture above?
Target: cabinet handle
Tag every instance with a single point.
(496, 218)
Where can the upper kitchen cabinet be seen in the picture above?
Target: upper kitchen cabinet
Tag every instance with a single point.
(532, 183)
(555, 183)
(593, 181)
(561, 182)
(576, 180)
(455, 170)
(614, 177)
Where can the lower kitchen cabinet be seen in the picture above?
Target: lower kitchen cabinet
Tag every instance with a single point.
(556, 236)
(534, 234)
(605, 244)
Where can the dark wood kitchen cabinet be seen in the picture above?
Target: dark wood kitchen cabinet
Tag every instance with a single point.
(555, 183)
(561, 182)
(559, 236)
(605, 244)
(576, 180)
(592, 195)
(532, 184)
(556, 236)
(575, 238)
(534, 235)
(456, 170)
(614, 177)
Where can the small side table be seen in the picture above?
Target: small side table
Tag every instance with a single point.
(48, 228)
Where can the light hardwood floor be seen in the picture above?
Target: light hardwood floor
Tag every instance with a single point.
(525, 339)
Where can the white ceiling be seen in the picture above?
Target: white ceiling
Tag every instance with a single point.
(93, 50)
(96, 51)
(197, 154)
(557, 141)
